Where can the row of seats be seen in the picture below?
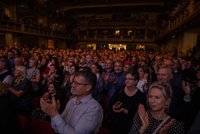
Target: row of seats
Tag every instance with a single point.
(37, 126)
(34, 126)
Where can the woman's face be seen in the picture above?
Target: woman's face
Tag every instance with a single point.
(72, 70)
(51, 89)
(118, 67)
(43, 62)
(156, 100)
(52, 69)
(126, 67)
(130, 81)
(141, 72)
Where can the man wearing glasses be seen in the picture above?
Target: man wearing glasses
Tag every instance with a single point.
(82, 114)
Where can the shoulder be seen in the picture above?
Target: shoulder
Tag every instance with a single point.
(92, 103)
(141, 95)
(37, 71)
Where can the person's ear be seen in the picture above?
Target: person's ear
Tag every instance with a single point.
(88, 88)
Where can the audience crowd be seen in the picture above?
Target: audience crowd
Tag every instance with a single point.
(138, 91)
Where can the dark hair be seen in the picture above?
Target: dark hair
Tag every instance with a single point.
(86, 68)
(134, 73)
(99, 67)
(75, 66)
(89, 77)
(56, 85)
(6, 63)
(144, 68)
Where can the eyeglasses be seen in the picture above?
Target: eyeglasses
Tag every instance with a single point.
(129, 79)
(75, 83)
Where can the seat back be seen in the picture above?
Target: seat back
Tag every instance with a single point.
(24, 123)
(38, 126)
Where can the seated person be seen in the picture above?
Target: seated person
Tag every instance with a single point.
(82, 114)
(156, 120)
(20, 92)
(126, 103)
(47, 96)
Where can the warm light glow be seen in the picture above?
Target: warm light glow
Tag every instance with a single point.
(117, 46)
(117, 32)
(93, 46)
(130, 32)
(140, 46)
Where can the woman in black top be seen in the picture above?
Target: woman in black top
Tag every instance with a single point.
(126, 103)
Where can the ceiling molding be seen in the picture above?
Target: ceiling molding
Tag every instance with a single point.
(74, 7)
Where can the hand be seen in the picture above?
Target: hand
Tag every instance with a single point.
(186, 87)
(117, 106)
(46, 97)
(50, 108)
(164, 129)
(118, 109)
(144, 118)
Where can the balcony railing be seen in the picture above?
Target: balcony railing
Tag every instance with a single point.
(182, 17)
(112, 38)
(30, 29)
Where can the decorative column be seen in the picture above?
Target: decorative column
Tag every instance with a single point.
(191, 7)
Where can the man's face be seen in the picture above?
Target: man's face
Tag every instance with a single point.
(79, 86)
(109, 64)
(88, 59)
(163, 75)
(31, 63)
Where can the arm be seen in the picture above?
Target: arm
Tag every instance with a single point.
(37, 79)
(18, 93)
(88, 122)
(8, 80)
(140, 121)
(144, 118)
(72, 121)
(118, 109)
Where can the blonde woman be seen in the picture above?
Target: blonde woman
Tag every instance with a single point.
(20, 92)
(156, 120)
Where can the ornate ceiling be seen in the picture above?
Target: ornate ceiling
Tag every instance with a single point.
(61, 10)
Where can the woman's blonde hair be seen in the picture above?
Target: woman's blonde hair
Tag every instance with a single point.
(164, 87)
(21, 69)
